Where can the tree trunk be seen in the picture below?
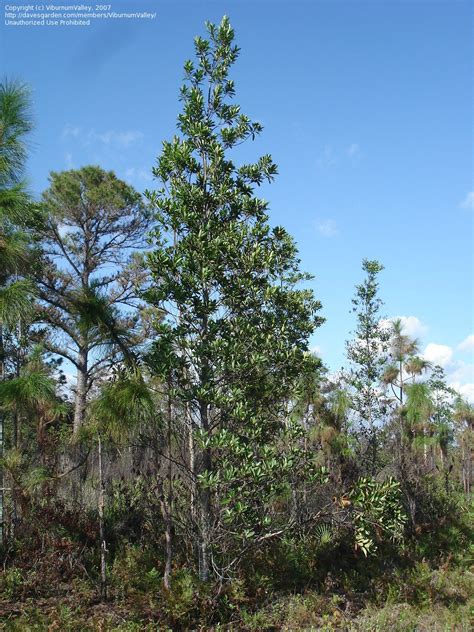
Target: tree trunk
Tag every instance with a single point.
(191, 463)
(103, 544)
(204, 535)
(81, 391)
(168, 504)
(400, 416)
(373, 442)
(204, 499)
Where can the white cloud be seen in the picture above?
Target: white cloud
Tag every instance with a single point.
(327, 228)
(461, 378)
(438, 354)
(112, 138)
(411, 326)
(462, 372)
(123, 139)
(459, 374)
(467, 344)
(468, 201)
(353, 150)
(466, 390)
(316, 349)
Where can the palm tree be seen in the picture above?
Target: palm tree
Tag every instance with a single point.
(403, 349)
(403, 361)
(416, 366)
(323, 410)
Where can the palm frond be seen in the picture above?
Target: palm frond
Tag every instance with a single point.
(324, 534)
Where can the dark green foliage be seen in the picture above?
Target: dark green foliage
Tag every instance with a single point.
(234, 340)
(377, 507)
(367, 355)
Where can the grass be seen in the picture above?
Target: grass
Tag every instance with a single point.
(426, 587)
(420, 600)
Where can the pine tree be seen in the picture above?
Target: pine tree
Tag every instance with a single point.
(367, 356)
(87, 283)
(18, 215)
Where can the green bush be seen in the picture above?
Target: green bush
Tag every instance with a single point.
(11, 582)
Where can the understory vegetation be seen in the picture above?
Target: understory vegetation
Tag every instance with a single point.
(172, 455)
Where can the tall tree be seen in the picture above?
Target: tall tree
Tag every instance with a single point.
(88, 280)
(367, 354)
(464, 417)
(402, 363)
(234, 341)
(442, 428)
(17, 216)
(17, 213)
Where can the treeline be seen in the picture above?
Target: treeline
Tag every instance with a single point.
(163, 425)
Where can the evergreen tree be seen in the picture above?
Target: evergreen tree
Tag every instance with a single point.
(367, 356)
(234, 342)
(17, 217)
(87, 283)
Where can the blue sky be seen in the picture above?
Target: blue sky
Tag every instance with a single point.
(368, 112)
